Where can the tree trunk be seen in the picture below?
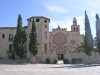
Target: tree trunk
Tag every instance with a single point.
(33, 59)
(89, 60)
(96, 57)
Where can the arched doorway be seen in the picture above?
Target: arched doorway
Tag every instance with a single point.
(60, 56)
(60, 51)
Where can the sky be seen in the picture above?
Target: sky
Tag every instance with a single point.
(60, 12)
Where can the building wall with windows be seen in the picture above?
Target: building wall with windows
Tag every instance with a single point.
(59, 40)
(6, 40)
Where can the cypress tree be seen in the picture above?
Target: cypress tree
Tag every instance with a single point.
(33, 44)
(88, 39)
(19, 42)
(98, 32)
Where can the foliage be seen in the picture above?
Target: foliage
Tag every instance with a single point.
(11, 54)
(98, 33)
(19, 42)
(80, 47)
(47, 60)
(74, 61)
(98, 46)
(55, 60)
(33, 44)
(88, 39)
(66, 61)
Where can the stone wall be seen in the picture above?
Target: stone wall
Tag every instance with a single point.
(4, 42)
(93, 59)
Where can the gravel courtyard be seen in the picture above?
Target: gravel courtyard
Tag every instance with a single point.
(49, 69)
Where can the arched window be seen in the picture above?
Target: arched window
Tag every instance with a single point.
(45, 21)
(77, 29)
(45, 34)
(37, 20)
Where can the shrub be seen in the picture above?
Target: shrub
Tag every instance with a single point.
(74, 61)
(66, 61)
(79, 60)
(55, 60)
(11, 56)
(47, 60)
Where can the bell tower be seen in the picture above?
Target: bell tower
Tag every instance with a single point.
(75, 27)
(74, 21)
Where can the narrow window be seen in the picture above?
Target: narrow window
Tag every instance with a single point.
(30, 20)
(10, 47)
(45, 26)
(77, 29)
(74, 28)
(3, 36)
(45, 47)
(37, 20)
(45, 34)
(45, 21)
(10, 37)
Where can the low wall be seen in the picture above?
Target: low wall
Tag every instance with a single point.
(93, 59)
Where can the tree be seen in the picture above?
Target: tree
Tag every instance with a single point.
(19, 42)
(80, 47)
(33, 44)
(88, 39)
(98, 32)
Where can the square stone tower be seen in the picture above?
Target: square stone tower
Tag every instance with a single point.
(75, 27)
(42, 28)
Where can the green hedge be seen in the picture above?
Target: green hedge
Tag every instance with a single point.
(77, 60)
(66, 61)
(74, 61)
(11, 56)
(55, 60)
(47, 60)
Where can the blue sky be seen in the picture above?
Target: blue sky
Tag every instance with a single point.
(60, 12)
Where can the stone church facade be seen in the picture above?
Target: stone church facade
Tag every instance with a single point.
(59, 43)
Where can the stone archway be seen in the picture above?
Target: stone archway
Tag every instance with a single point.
(60, 51)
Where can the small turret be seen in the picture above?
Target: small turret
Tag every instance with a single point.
(74, 21)
(58, 27)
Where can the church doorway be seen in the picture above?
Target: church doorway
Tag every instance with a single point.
(60, 56)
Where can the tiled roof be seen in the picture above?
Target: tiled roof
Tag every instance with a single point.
(38, 17)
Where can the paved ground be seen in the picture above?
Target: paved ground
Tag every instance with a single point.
(49, 69)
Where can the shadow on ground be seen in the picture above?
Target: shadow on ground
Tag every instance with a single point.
(13, 62)
(76, 66)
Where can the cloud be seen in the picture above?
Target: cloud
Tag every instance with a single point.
(94, 3)
(67, 24)
(56, 9)
(92, 14)
(80, 21)
(79, 7)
